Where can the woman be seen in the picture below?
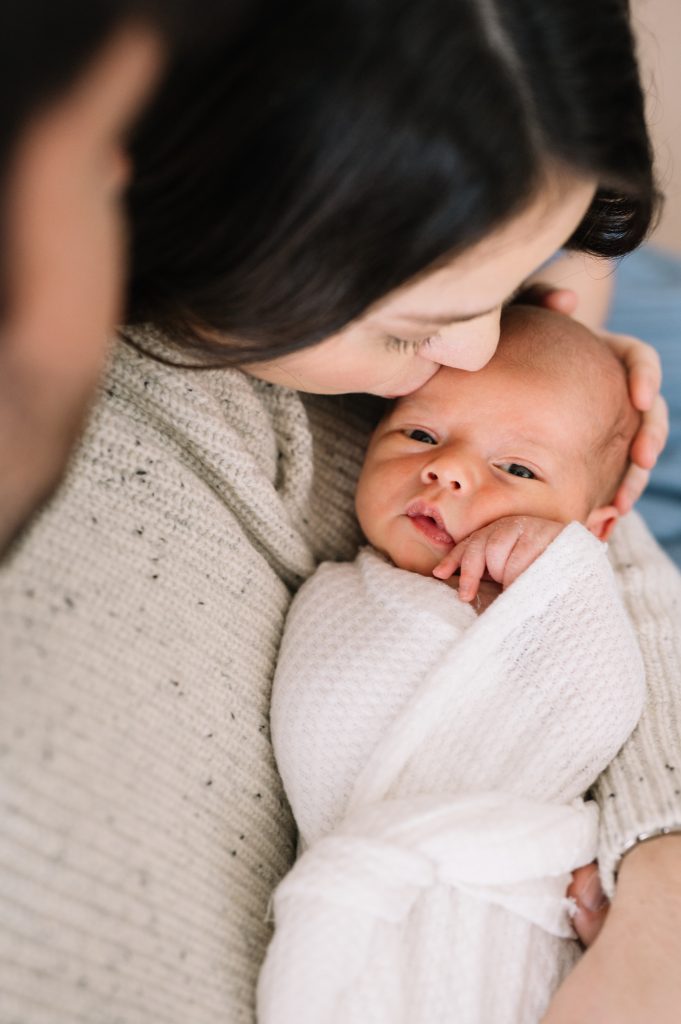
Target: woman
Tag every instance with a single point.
(340, 200)
(73, 76)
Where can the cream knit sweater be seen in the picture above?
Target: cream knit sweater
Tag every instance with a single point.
(142, 823)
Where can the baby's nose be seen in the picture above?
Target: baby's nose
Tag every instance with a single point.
(444, 478)
(450, 468)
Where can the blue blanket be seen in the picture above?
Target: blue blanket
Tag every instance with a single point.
(648, 304)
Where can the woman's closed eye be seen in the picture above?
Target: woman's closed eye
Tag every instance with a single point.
(416, 434)
(403, 345)
(517, 469)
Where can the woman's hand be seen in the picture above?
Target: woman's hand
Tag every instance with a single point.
(630, 974)
(645, 376)
(644, 372)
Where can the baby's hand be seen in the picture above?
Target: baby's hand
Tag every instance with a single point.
(505, 548)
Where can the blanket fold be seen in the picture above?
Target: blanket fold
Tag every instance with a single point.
(435, 763)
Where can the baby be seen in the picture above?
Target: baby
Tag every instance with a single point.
(436, 759)
(481, 471)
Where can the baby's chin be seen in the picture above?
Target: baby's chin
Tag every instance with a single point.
(418, 560)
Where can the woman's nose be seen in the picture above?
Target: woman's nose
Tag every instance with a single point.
(468, 345)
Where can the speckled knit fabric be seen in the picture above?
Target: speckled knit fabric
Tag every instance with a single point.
(142, 825)
(641, 790)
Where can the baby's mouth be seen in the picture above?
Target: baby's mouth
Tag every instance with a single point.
(428, 520)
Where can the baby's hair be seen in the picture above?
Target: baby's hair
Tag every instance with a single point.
(574, 355)
(610, 451)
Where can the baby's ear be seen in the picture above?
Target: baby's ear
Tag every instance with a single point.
(601, 521)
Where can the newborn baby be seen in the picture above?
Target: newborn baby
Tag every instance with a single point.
(482, 470)
(436, 759)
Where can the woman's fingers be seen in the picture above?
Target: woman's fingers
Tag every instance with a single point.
(561, 300)
(592, 903)
(643, 368)
(645, 376)
(632, 487)
(652, 435)
(645, 450)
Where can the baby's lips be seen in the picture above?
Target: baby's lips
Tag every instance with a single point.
(432, 528)
(424, 510)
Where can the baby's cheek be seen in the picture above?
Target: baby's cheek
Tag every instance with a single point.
(374, 504)
(408, 553)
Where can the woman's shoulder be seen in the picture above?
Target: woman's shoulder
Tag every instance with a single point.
(165, 392)
(193, 456)
(212, 462)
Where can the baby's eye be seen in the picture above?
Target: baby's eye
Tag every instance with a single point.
(421, 435)
(515, 469)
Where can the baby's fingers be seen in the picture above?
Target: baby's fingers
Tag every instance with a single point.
(450, 563)
(472, 566)
(524, 552)
(501, 543)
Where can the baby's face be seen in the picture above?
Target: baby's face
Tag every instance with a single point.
(469, 448)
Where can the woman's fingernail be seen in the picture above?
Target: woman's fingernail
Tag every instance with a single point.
(593, 898)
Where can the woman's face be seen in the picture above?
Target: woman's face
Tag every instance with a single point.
(63, 260)
(449, 316)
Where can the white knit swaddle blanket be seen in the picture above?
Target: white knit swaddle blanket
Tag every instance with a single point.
(435, 762)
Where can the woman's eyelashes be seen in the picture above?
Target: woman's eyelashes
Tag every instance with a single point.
(396, 344)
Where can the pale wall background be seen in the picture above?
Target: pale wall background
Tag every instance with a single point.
(658, 26)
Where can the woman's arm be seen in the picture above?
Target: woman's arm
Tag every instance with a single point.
(630, 973)
(641, 790)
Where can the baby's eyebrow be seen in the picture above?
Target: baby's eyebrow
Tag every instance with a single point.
(409, 404)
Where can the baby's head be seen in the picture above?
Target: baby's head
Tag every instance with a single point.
(543, 430)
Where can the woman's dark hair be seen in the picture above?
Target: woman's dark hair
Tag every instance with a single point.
(46, 44)
(328, 152)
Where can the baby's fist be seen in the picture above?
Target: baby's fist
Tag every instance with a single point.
(505, 548)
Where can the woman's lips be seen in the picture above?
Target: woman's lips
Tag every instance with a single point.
(430, 523)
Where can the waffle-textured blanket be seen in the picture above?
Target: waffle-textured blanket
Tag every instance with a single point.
(435, 762)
